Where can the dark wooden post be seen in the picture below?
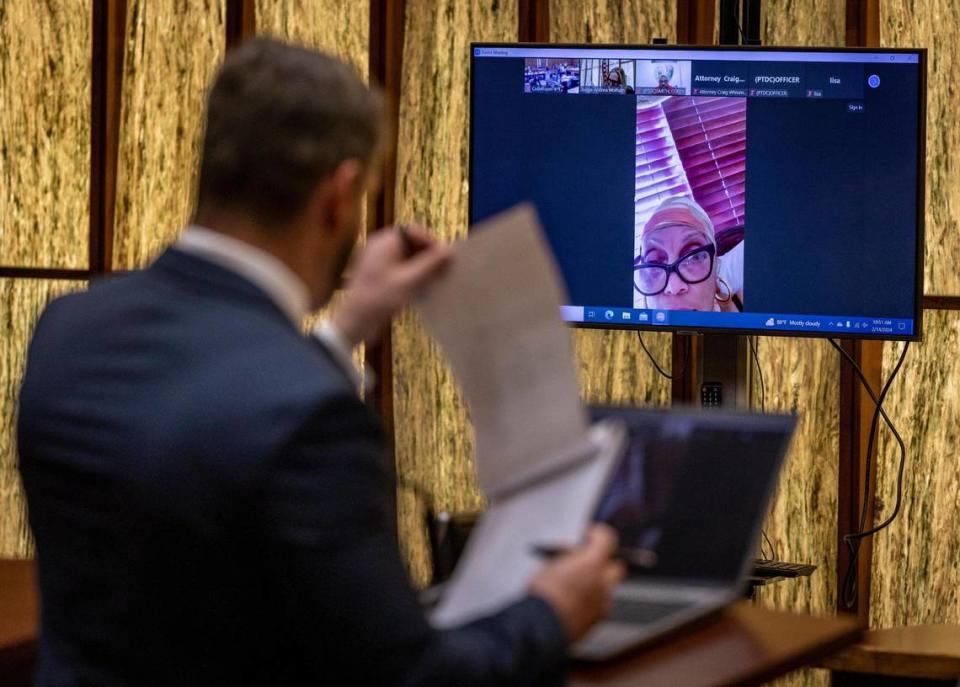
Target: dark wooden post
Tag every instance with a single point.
(857, 469)
(109, 29)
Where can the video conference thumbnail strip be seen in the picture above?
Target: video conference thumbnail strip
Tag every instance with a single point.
(663, 77)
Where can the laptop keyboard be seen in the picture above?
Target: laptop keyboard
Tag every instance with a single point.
(636, 612)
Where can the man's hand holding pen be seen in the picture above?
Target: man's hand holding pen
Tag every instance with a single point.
(384, 276)
(578, 583)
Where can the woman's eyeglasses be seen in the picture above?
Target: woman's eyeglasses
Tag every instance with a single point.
(651, 278)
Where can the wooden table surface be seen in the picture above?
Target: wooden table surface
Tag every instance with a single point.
(921, 651)
(746, 645)
(19, 608)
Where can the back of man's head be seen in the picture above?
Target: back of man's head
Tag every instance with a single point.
(280, 120)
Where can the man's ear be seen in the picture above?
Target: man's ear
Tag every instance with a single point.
(345, 187)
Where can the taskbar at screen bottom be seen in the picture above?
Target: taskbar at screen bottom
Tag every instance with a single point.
(774, 322)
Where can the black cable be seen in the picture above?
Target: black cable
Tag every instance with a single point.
(736, 20)
(657, 365)
(870, 440)
(853, 539)
(754, 346)
(773, 550)
(878, 411)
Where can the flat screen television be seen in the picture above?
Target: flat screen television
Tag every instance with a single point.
(746, 190)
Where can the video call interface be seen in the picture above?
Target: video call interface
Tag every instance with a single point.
(760, 190)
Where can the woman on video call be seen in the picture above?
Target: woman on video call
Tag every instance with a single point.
(677, 267)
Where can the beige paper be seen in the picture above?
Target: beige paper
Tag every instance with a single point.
(500, 560)
(496, 315)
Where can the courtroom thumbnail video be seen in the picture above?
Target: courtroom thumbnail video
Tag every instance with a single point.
(607, 76)
(663, 77)
(551, 75)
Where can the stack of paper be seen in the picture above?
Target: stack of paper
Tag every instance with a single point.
(496, 314)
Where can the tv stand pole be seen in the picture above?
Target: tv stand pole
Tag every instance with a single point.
(724, 359)
(725, 371)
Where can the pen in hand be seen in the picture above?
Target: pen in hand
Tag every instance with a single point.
(410, 247)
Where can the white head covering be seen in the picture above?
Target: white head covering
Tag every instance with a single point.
(681, 211)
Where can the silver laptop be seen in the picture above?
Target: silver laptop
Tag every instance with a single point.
(688, 500)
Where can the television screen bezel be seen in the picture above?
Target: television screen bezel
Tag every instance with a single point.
(921, 53)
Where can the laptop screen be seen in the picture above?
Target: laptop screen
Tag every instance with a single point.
(692, 489)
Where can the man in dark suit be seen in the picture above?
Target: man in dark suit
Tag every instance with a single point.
(207, 491)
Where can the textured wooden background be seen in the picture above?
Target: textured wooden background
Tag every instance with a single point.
(916, 564)
(611, 21)
(339, 26)
(803, 22)
(44, 195)
(801, 376)
(44, 132)
(434, 445)
(21, 301)
(172, 50)
(934, 25)
(788, 22)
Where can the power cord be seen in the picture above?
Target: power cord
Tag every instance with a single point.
(754, 348)
(656, 365)
(774, 554)
(736, 21)
(743, 36)
(853, 539)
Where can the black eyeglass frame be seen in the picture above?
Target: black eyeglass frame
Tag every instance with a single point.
(709, 248)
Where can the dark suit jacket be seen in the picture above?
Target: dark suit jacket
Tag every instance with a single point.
(208, 498)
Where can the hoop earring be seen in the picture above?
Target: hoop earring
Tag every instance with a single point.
(725, 299)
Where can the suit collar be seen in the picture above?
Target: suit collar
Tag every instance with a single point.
(264, 270)
(205, 275)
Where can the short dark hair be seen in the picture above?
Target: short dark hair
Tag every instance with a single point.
(280, 119)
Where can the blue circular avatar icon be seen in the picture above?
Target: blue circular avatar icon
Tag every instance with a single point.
(873, 80)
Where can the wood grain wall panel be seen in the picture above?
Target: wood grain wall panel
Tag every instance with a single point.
(798, 22)
(173, 48)
(434, 444)
(916, 561)
(341, 27)
(803, 22)
(612, 21)
(935, 25)
(44, 133)
(802, 376)
(21, 301)
(613, 367)
(614, 370)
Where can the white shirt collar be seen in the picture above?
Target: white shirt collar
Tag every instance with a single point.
(264, 270)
